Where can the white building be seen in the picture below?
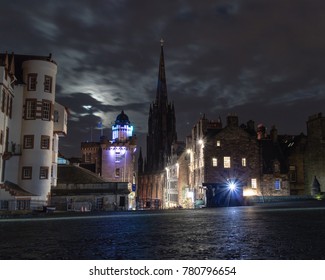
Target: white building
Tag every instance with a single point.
(30, 126)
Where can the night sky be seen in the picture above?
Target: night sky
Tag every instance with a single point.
(260, 59)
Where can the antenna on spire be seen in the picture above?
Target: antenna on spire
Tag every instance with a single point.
(162, 42)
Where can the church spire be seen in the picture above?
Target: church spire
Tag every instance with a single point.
(161, 96)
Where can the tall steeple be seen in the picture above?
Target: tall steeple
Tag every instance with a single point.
(161, 123)
(161, 97)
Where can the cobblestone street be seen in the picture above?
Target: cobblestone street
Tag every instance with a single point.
(269, 231)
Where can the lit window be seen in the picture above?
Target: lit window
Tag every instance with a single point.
(243, 161)
(218, 143)
(277, 184)
(45, 142)
(214, 162)
(44, 172)
(117, 156)
(28, 141)
(254, 183)
(226, 162)
(30, 109)
(48, 84)
(27, 173)
(32, 81)
(46, 110)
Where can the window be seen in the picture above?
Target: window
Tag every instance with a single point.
(218, 143)
(99, 203)
(214, 162)
(8, 103)
(48, 84)
(117, 172)
(23, 204)
(226, 162)
(254, 183)
(277, 184)
(292, 173)
(10, 107)
(45, 142)
(28, 141)
(56, 116)
(3, 102)
(118, 156)
(1, 137)
(88, 157)
(4, 204)
(27, 173)
(32, 81)
(30, 109)
(44, 172)
(46, 110)
(243, 161)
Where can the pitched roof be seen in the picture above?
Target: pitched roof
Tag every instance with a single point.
(14, 189)
(73, 174)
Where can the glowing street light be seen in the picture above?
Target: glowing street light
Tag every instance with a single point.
(232, 186)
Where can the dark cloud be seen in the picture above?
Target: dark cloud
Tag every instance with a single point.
(263, 60)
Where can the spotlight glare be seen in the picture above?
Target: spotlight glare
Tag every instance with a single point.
(232, 186)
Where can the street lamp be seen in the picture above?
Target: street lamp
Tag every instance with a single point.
(232, 186)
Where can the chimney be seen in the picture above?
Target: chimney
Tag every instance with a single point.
(251, 125)
(261, 132)
(232, 120)
(274, 134)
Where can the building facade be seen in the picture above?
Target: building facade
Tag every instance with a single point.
(219, 157)
(114, 160)
(29, 137)
(315, 153)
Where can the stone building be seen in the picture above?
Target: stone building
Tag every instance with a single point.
(297, 166)
(315, 152)
(275, 165)
(91, 158)
(235, 155)
(161, 136)
(114, 160)
(173, 190)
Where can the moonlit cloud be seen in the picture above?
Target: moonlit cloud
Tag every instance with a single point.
(262, 60)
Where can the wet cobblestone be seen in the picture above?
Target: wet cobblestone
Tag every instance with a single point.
(275, 231)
